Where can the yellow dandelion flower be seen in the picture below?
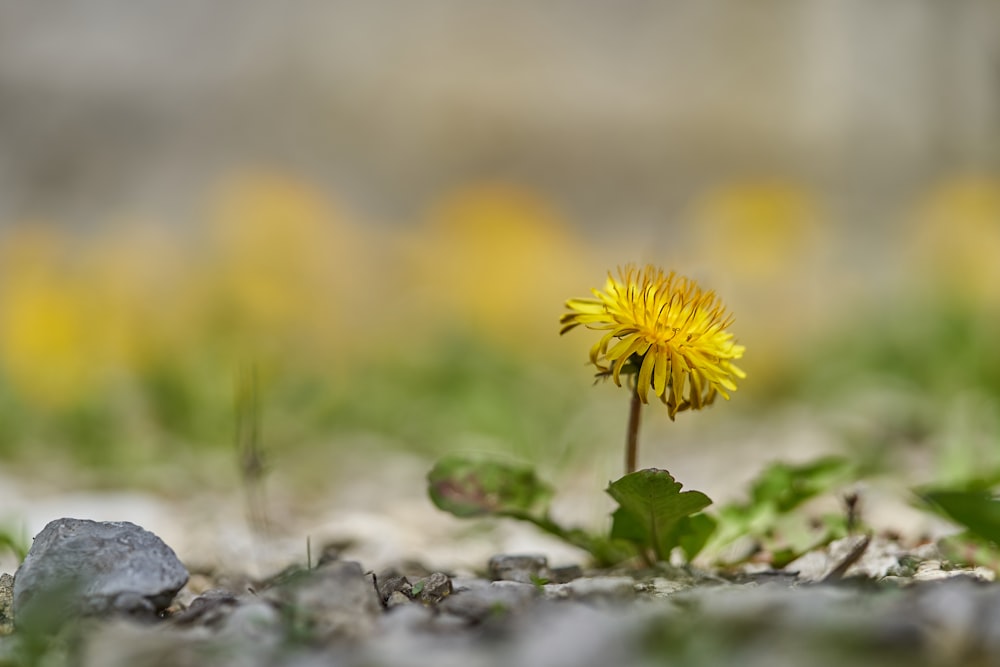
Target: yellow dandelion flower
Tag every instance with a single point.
(664, 329)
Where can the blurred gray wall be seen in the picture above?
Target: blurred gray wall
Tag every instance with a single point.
(617, 110)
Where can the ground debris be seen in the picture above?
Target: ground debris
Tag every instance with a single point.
(906, 612)
(6, 604)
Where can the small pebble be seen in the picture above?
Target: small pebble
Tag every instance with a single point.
(6, 604)
(526, 568)
(589, 588)
(333, 601)
(389, 583)
(478, 603)
(432, 589)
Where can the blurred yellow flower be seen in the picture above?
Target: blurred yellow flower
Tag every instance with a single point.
(953, 241)
(666, 330)
(760, 231)
(285, 265)
(48, 336)
(490, 259)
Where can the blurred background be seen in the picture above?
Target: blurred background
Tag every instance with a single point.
(273, 259)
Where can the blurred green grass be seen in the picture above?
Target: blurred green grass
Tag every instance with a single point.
(120, 350)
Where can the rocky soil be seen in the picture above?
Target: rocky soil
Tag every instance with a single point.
(109, 594)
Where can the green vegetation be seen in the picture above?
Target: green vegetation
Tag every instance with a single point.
(892, 392)
(653, 516)
(772, 518)
(15, 541)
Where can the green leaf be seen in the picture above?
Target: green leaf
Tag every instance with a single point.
(606, 551)
(467, 487)
(651, 508)
(17, 545)
(970, 549)
(769, 516)
(982, 483)
(976, 510)
(627, 526)
(693, 533)
(786, 486)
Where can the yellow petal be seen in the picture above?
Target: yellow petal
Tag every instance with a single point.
(638, 346)
(645, 375)
(676, 378)
(660, 371)
(625, 347)
(593, 306)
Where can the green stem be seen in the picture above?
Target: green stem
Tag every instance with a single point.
(575, 537)
(603, 551)
(632, 435)
(654, 540)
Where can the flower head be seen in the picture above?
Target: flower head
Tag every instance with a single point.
(664, 329)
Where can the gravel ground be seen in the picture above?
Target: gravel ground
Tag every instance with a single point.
(860, 599)
(395, 582)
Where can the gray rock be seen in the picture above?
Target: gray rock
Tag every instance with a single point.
(956, 616)
(880, 558)
(397, 599)
(404, 622)
(254, 621)
(476, 600)
(564, 574)
(116, 643)
(577, 635)
(525, 569)
(432, 589)
(391, 586)
(933, 570)
(208, 609)
(89, 567)
(334, 601)
(592, 588)
(662, 587)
